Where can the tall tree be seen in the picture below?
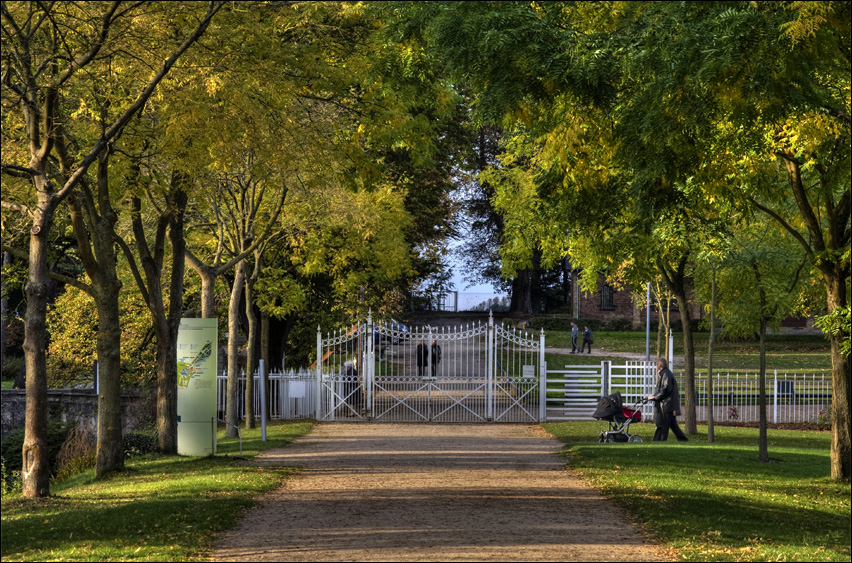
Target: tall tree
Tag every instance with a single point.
(760, 281)
(49, 45)
(689, 90)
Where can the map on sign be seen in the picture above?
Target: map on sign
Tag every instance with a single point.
(193, 365)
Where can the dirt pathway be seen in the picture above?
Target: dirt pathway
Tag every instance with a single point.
(418, 492)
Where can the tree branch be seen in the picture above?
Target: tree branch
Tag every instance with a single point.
(25, 256)
(19, 171)
(141, 100)
(796, 235)
(131, 261)
(23, 209)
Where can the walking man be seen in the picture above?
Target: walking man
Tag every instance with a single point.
(587, 339)
(436, 357)
(422, 357)
(574, 333)
(666, 404)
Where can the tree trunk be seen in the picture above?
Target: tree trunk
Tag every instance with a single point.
(110, 453)
(208, 292)
(264, 353)
(35, 471)
(675, 280)
(251, 350)
(522, 293)
(690, 423)
(167, 380)
(4, 314)
(711, 432)
(231, 408)
(668, 326)
(841, 449)
(661, 332)
(762, 449)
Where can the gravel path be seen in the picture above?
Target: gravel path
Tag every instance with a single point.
(419, 492)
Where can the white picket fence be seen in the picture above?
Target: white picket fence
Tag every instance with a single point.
(292, 394)
(790, 398)
(572, 393)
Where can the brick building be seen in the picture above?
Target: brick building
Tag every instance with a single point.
(609, 303)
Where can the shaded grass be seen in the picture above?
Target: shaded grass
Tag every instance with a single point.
(160, 508)
(716, 502)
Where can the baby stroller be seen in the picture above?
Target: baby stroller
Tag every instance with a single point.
(619, 418)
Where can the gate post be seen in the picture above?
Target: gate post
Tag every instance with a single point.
(369, 366)
(542, 380)
(318, 402)
(775, 398)
(489, 369)
(606, 384)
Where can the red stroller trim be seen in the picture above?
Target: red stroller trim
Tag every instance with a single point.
(633, 415)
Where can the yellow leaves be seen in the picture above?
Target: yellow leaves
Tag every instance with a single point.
(213, 83)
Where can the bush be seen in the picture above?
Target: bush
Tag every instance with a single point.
(78, 453)
(620, 325)
(10, 481)
(13, 444)
(12, 366)
(677, 325)
(138, 443)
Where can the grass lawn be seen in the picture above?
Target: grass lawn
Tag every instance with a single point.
(715, 502)
(785, 352)
(160, 508)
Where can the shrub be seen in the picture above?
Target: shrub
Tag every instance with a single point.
(13, 444)
(10, 481)
(77, 454)
(620, 325)
(139, 443)
(12, 366)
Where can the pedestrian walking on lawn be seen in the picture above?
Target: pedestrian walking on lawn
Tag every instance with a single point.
(587, 339)
(666, 404)
(574, 333)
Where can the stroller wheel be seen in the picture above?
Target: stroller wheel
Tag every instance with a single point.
(635, 438)
(610, 439)
(601, 438)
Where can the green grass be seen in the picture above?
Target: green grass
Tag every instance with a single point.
(716, 502)
(785, 352)
(160, 508)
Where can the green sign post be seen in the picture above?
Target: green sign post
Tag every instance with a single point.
(196, 398)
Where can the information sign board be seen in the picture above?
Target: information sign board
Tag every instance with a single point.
(196, 381)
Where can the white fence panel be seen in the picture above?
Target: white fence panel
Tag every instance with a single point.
(291, 394)
(573, 392)
(790, 398)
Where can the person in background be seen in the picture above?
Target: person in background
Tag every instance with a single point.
(422, 358)
(436, 357)
(574, 333)
(587, 339)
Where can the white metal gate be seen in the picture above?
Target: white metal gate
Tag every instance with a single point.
(471, 373)
(573, 392)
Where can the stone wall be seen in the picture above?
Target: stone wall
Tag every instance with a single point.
(69, 405)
